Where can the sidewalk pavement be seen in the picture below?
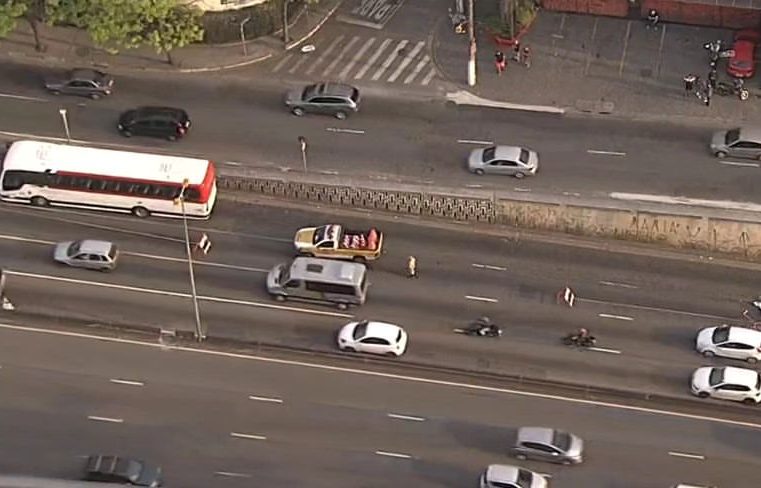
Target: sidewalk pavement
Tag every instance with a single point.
(598, 65)
(70, 47)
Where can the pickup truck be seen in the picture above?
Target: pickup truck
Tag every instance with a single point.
(333, 241)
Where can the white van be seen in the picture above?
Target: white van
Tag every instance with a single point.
(321, 280)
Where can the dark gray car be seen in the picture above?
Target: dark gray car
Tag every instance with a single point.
(90, 254)
(84, 82)
(115, 469)
(545, 444)
(336, 99)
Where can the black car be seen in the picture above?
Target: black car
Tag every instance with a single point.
(84, 82)
(115, 469)
(165, 122)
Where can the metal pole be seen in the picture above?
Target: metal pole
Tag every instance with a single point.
(303, 143)
(243, 36)
(65, 119)
(200, 336)
(472, 51)
(286, 34)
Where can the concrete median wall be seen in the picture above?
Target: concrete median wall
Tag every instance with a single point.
(737, 233)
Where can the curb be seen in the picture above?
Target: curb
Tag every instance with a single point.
(309, 34)
(465, 97)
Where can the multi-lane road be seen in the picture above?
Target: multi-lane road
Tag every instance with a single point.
(416, 140)
(222, 420)
(645, 309)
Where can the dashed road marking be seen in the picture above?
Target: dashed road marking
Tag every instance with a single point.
(617, 284)
(255, 437)
(606, 350)
(475, 141)
(606, 153)
(481, 299)
(406, 417)
(231, 474)
(345, 131)
(615, 317)
(518, 188)
(22, 97)
(738, 163)
(686, 455)
(489, 266)
(393, 454)
(265, 399)
(126, 382)
(105, 419)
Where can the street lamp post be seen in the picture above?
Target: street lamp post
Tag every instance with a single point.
(243, 35)
(65, 119)
(199, 334)
(472, 46)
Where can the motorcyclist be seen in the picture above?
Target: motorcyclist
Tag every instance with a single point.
(486, 327)
(581, 337)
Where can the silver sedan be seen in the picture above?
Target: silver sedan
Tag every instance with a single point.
(89, 253)
(504, 160)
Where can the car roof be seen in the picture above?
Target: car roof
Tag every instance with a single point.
(745, 335)
(740, 376)
(327, 270)
(502, 472)
(507, 152)
(149, 111)
(85, 74)
(750, 133)
(383, 330)
(93, 246)
(335, 89)
(543, 435)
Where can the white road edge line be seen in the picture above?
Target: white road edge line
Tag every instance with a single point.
(232, 474)
(489, 266)
(475, 141)
(602, 349)
(105, 419)
(738, 163)
(255, 437)
(615, 283)
(22, 97)
(481, 299)
(345, 131)
(126, 382)
(379, 374)
(393, 454)
(615, 317)
(686, 455)
(265, 399)
(607, 153)
(406, 417)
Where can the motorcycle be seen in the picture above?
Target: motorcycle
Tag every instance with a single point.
(481, 328)
(735, 89)
(459, 22)
(574, 339)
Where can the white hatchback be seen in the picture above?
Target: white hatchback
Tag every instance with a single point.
(373, 337)
(730, 342)
(727, 383)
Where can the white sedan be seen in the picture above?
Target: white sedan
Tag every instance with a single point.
(727, 383)
(730, 342)
(373, 337)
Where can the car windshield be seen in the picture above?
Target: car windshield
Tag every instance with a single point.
(489, 153)
(308, 92)
(129, 469)
(732, 136)
(285, 275)
(360, 330)
(112, 252)
(720, 335)
(320, 234)
(716, 376)
(561, 440)
(524, 478)
(74, 249)
(524, 156)
(354, 95)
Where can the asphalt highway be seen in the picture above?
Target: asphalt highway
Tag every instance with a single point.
(415, 140)
(240, 421)
(644, 310)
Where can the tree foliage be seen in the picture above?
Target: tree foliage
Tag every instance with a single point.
(10, 11)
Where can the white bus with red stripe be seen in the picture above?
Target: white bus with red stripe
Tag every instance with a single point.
(46, 174)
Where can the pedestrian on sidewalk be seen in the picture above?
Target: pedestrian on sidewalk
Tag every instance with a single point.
(517, 51)
(527, 56)
(652, 19)
(412, 267)
(500, 61)
(689, 83)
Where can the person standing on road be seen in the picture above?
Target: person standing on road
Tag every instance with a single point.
(500, 61)
(689, 83)
(526, 56)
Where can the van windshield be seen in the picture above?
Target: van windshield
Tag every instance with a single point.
(285, 275)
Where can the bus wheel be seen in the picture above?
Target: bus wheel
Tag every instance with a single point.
(140, 212)
(40, 202)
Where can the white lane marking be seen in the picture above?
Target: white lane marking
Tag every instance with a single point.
(361, 52)
(686, 455)
(389, 59)
(281, 63)
(474, 141)
(254, 437)
(571, 194)
(105, 419)
(607, 153)
(168, 293)
(231, 474)
(616, 317)
(418, 68)
(345, 131)
(328, 172)
(428, 77)
(389, 376)
(489, 266)
(126, 382)
(655, 309)
(602, 349)
(232, 163)
(325, 54)
(265, 399)
(393, 454)
(303, 59)
(406, 62)
(22, 97)
(372, 59)
(738, 163)
(347, 47)
(700, 202)
(406, 417)
(481, 299)
(474, 186)
(517, 188)
(618, 284)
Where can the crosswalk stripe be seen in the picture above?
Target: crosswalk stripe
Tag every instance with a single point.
(390, 59)
(406, 61)
(325, 54)
(372, 59)
(344, 72)
(421, 64)
(282, 63)
(429, 77)
(297, 65)
(341, 54)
